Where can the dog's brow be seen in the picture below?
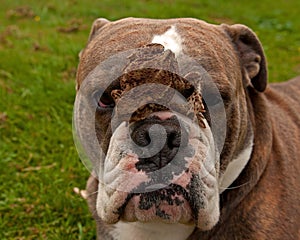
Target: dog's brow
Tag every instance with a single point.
(114, 85)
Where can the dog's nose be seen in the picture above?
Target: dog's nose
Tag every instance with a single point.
(149, 132)
(164, 141)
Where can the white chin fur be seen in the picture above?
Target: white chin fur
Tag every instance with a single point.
(151, 231)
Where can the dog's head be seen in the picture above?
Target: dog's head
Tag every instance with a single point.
(161, 113)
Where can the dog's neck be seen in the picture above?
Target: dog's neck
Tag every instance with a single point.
(151, 231)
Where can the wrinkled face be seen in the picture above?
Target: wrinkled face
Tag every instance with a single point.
(152, 122)
(161, 162)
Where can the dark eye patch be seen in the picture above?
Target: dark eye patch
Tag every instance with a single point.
(103, 98)
(106, 101)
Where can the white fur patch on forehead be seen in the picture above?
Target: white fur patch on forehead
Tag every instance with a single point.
(170, 40)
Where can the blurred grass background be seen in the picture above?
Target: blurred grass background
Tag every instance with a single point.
(39, 46)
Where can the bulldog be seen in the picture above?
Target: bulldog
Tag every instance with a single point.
(184, 137)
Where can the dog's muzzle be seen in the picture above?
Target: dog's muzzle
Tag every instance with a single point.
(160, 169)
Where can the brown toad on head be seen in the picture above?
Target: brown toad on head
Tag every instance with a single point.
(154, 65)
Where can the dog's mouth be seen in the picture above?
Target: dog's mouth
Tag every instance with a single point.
(170, 204)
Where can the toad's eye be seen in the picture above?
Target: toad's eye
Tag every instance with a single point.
(105, 101)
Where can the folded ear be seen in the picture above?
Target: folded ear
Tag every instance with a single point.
(96, 26)
(251, 55)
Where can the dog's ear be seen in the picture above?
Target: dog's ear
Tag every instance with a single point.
(96, 26)
(251, 55)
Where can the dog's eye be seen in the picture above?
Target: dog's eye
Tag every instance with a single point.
(188, 92)
(105, 101)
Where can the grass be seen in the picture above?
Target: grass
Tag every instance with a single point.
(39, 44)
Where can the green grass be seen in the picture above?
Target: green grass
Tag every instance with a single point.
(38, 59)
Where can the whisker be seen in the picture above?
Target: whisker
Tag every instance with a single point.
(83, 193)
(92, 193)
(235, 187)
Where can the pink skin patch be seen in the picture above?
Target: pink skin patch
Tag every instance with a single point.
(125, 177)
(183, 180)
(193, 165)
(164, 115)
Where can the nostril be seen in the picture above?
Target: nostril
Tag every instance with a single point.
(141, 137)
(174, 140)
